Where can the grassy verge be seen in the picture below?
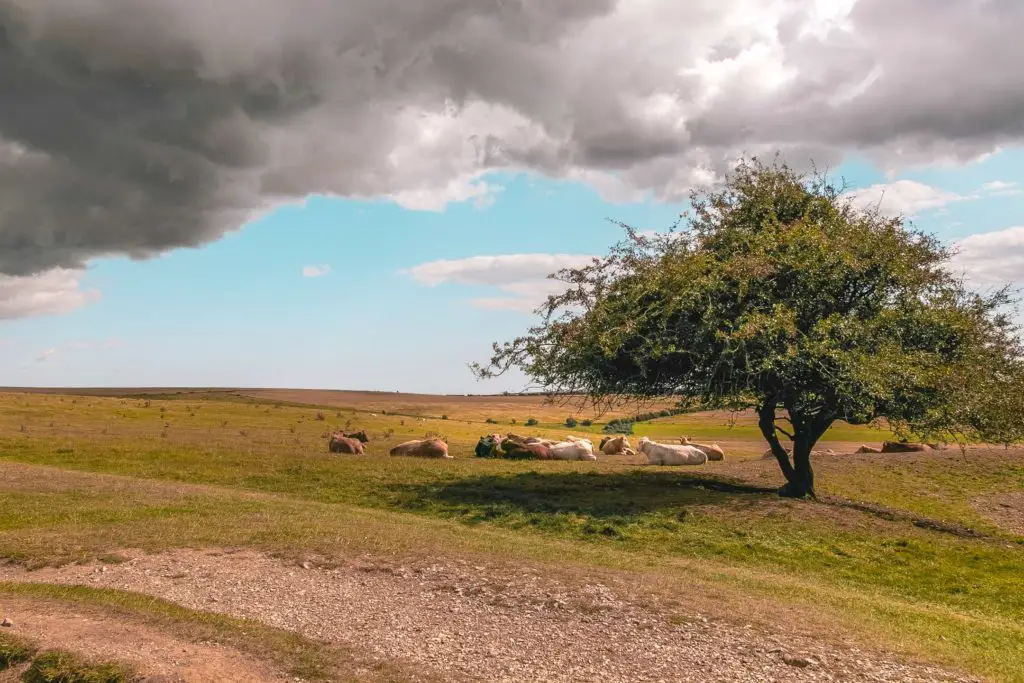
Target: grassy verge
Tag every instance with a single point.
(58, 666)
(15, 650)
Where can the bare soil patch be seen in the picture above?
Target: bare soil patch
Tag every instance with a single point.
(467, 622)
(1006, 510)
(156, 656)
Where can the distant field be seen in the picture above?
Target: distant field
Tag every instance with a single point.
(506, 412)
(86, 475)
(475, 408)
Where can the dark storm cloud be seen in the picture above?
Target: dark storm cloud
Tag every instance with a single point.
(917, 78)
(130, 127)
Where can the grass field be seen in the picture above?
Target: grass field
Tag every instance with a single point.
(87, 476)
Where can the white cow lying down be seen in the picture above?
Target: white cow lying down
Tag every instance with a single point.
(576, 449)
(671, 454)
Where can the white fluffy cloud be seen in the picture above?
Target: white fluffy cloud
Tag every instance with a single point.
(49, 293)
(457, 190)
(1001, 188)
(316, 271)
(992, 258)
(143, 126)
(521, 277)
(906, 197)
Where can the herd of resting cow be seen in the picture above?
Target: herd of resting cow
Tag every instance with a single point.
(575, 448)
(514, 447)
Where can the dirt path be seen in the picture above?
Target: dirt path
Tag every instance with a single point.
(157, 656)
(1006, 510)
(466, 622)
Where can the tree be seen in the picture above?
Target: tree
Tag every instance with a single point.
(779, 295)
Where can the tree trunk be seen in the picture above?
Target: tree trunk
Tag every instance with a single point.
(766, 421)
(798, 473)
(801, 484)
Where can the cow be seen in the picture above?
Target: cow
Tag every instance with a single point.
(340, 443)
(511, 443)
(671, 454)
(540, 451)
(422, 448)
(573, 450)
(528, 451)
(904, 447)
(713, 451)
(487, 446)
(361, 435)
(539, 441)
(576, 439)
(768, 455)
(616, 445)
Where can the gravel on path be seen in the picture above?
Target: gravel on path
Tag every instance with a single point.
(465, 622)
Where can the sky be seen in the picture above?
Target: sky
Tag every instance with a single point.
(366, 195)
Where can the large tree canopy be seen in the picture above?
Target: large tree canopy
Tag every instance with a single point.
(778, 294)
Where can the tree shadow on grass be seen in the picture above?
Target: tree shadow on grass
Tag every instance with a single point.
(620, 496)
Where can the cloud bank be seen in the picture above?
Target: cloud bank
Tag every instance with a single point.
(992, 259)
(903, 197)
(52, 292)
(522, 277)
(130, 127)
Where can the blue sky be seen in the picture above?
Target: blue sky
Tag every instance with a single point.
(240, 311)
(408, 148)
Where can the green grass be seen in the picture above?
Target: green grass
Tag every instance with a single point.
(59, 666)
(15, 650)
(954, 600)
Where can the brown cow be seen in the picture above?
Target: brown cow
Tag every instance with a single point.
(616, 445)
(540, 450)
(528, 451)
(713, 451)
(768, 455)
(904, 447)
(343, 444)
(422, 448)
(361, 435)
